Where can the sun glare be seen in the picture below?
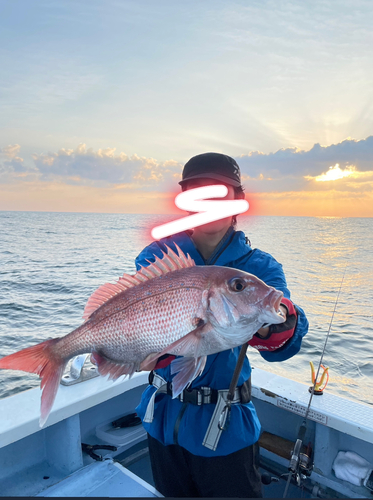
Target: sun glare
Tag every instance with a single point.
(335, 173)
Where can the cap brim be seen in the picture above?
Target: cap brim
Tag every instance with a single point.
(217, 177)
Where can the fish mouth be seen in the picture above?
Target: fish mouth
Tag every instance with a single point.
(277, 296)
(273, 301)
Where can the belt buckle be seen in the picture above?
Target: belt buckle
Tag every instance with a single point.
(195, 397)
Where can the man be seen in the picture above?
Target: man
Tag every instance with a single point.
(190, 457)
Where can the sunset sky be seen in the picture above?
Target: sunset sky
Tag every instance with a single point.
(102, 102)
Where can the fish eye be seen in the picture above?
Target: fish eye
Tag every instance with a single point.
(237, 285)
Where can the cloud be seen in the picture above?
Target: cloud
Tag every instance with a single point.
(291, 168)
(10, 151)
(104, 167)
(11, 165)
(346, 166)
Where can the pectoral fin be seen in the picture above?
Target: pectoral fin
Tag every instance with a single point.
(186, 369)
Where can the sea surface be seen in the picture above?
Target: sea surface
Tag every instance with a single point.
(50, 263)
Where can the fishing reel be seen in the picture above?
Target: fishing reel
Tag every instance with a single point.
(305, 463)
(300, 465)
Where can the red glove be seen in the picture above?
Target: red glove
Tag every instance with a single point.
(278, 334)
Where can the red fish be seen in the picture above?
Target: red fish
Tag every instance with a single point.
(171, 306)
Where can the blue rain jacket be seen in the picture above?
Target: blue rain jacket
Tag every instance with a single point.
(244, 429)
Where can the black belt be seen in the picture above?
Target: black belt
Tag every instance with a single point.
(207, 395)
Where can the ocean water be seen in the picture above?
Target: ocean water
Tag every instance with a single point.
(50, 263)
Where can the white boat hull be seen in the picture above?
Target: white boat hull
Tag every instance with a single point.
(50, 461)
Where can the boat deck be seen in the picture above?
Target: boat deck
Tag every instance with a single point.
(130, 475)
(102, 479)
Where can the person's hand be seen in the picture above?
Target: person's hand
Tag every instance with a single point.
(273, 337)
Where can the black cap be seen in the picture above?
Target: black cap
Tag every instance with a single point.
(212, 166)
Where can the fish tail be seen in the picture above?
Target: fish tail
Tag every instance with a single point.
(44, 360)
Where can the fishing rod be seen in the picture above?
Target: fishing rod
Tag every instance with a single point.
(295, 457)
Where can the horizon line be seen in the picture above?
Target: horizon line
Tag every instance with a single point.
(181, 215)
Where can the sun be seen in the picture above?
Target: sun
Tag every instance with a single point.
(335, 173)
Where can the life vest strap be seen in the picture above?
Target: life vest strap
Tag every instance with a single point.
(200, 396)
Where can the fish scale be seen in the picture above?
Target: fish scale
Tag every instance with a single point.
(149, 333)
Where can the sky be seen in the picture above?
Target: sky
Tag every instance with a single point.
(103, 102)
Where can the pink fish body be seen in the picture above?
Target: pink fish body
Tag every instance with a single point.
(171, 307)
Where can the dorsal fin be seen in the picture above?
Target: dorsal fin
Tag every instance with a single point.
(169, 262)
